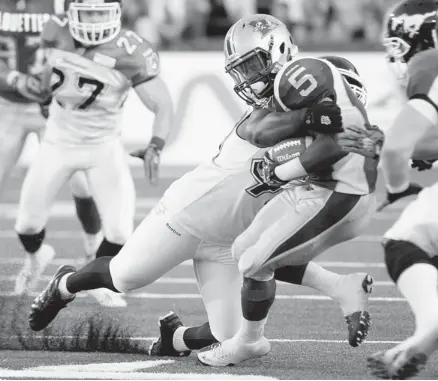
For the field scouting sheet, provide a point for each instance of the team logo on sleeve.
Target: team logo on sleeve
(263, 26)
(151, 59)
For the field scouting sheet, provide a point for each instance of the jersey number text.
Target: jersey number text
(305, 83)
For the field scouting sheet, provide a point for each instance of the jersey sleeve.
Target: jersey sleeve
(423, 77)
(303, 82)
(142, 63)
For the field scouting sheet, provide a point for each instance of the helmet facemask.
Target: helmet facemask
(253, 75)
(94, 23)
(356, 85)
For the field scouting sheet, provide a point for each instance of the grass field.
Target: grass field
(306, 329)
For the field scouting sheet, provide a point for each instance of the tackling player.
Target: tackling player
(95, 63)
(334, 201)
(230, 188)
(411, 244)
(176, 339)
(21, 61)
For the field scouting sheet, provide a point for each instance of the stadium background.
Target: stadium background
(306, 329)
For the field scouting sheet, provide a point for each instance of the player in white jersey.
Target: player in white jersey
(95, 63)
(335, 199)
(179, 228)
(411, 244)
(21, 61)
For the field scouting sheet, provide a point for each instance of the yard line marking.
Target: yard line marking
(182, 280)
(281, 341)
(149, 295)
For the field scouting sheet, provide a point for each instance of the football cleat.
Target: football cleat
(232, 352)
(34, 266)
(353, 299)
(163, 346)
(48, 304)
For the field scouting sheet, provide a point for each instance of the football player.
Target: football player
(335, 198)
(230, 188)
(21, 61)
(176, 339)
(411, 244)
(95, 63)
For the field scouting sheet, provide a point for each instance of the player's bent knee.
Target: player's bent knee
(400, 255)
(32, 242)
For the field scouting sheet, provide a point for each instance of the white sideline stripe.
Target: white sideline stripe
(75, 234)
(281, 341)
(70, 260)
(148, 295)
(175, 280)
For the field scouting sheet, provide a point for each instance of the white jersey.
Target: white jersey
(219, 199)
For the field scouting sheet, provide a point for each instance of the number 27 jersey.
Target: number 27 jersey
(91, 84)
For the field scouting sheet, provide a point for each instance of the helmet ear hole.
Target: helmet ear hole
(282, 48)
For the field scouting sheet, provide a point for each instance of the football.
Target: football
(289, 149)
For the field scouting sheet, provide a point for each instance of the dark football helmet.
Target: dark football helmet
(351, 75)
(94, 22)
(410, 27)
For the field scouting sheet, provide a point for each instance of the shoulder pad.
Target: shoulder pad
(141, 63)
(302, 82)
(52, 30)
(422, 73)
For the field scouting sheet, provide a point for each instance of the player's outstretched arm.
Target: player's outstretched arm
(155, 95)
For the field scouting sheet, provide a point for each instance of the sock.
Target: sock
(257, 299)
(291, 274)
(108, 249)
(86, 210)
(62, 288)
(418, 284)
(95, 274)
(320, 279)
(193, 337)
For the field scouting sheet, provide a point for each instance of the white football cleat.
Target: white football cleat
(108, 298)
(232, 352)
(34, 266)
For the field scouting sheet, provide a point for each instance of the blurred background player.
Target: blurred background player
(95, 63)
(21, 62)
(411, 244)
(334, 200)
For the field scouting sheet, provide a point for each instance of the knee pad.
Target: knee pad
(32, 242)
(400, 255)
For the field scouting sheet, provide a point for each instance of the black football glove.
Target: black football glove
(393, 197)
(422, 165)
(324, 117)
(151, 158)
(366, 141)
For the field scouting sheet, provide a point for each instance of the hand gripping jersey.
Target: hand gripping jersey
(21, 23)
(306, 81)
(219, 199)
(90, 85)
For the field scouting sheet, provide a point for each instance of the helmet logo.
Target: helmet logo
(410, 23)
(263, 26)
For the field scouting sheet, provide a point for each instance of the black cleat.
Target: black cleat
(359, 322)
(163, 346)
(47, 304)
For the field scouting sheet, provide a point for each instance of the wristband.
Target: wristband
(157, 142)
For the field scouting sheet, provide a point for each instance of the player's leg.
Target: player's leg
(12, 138)
(411, 259)
(48, 172)
(219, 283)
(150, 252)
(86, 210)
(300, 224)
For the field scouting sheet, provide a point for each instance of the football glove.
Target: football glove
(393, 197)
(366, 141)
(267, 172)
(44, 108)
(324, 117)
(151, 158)
(422, 165)
(28, 86)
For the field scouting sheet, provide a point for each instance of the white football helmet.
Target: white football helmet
(256, 47)
(94, 22)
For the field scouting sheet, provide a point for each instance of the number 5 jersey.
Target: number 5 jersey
(91, 84)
